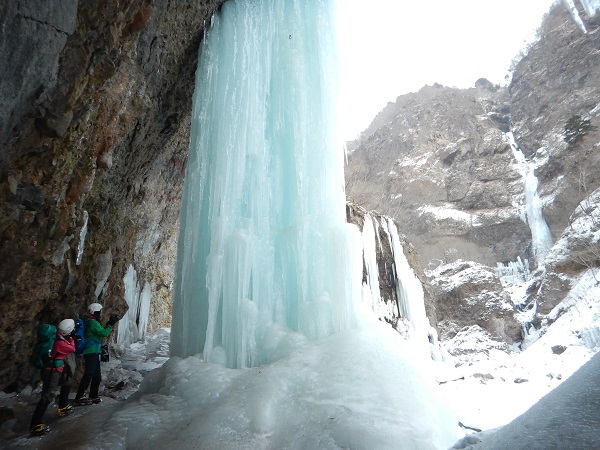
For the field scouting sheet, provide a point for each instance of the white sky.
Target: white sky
(392, 47)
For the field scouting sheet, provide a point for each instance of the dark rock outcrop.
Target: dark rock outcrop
(33, 38)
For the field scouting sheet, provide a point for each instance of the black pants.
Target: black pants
(50, 381)
(90, 375)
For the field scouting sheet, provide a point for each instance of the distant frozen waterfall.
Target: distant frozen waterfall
(264, 245)
(591, 7)
(541, 239)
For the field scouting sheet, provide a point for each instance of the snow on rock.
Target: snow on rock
(469, 293)
(489, 391)
(448, 216)
(472, 344)
(576, 320)
(580, 239)
(126, 370)
(577, 250)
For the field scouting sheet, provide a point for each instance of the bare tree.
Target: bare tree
(589, 256)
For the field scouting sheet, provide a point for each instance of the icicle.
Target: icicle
(370, 260)
(82, 236)
(104, 269)
(127, 326)
(133, 325)
(411, 303)
(513, 272)
(144, 312)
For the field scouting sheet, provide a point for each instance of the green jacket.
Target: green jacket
(94, 333)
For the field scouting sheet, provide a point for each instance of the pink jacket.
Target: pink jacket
(63, 346)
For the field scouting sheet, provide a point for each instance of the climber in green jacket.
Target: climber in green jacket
(94, 333)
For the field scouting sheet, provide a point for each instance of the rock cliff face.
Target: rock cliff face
(96, 104)
(469, 294)
(440, 162)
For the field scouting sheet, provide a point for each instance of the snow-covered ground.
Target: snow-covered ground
(361, 388)
(493, 387)
(320, 394)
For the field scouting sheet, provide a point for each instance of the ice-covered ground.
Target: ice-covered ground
(363, 388)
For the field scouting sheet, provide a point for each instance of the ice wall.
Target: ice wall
(267, 266)
(408, 311)
(132, 326)
(263, 241)
(411, 298)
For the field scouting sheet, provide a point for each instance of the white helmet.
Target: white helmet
(65, 327)
(94, 307)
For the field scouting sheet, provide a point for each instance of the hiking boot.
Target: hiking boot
(82, 401)
(39, 430)
(96, 400)
(64, 411)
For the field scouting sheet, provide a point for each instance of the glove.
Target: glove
(113, 319)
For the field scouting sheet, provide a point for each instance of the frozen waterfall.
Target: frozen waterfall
(263, 239)
(409, 308)
(541, 239)
(591, 7)
(132, 326)
(271, 344)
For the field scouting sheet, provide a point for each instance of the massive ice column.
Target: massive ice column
(263, 242)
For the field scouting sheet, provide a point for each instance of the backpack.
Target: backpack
(41, 355)
(80, 343)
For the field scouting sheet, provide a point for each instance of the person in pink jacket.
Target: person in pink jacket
(58, 373)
